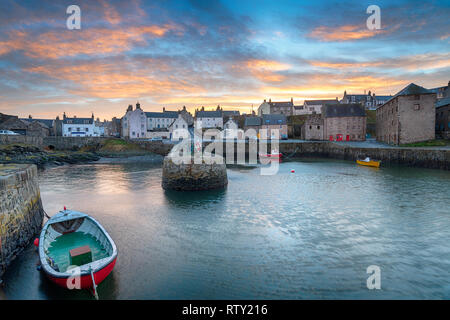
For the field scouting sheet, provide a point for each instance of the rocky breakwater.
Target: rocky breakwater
(21, 212)
(34, 155)
(190, 176)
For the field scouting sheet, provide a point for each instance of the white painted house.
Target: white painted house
(78, 127)
(134, 123)
(160, 121)
(230, 129)
(179, 129)
(209, 119)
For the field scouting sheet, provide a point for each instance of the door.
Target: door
(347, 138)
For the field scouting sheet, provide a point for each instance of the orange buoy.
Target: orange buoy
(36, 242)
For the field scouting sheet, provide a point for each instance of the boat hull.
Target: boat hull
(370, 163)
(85, 280)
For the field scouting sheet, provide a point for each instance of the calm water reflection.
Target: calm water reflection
(310, 234)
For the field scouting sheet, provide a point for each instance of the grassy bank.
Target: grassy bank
(430, 143)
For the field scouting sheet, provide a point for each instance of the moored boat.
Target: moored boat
(72, 242)
(369, 162)
(274, 154)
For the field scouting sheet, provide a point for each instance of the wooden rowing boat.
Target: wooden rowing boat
(74, 244)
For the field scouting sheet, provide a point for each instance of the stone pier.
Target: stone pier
(192, 176)
(21, 212)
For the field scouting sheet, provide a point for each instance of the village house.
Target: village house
(313, 128)
(113, 128)
(442, 92)
(134, 123)
(79, 127)
(370, 101)
(209, 119)
(15, 124)
(344, 122)
(160, 121)
(231, 130)
(314, 106)
(179, 129)
(252, 123)
(187, 116)
(443, 118)
(273, 126)
(283, 107)
(409, 117)
(40, 127)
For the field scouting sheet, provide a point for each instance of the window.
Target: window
(78, 129)
(87, 129)
(416, 106)
(70, 129)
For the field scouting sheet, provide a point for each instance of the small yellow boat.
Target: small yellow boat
(369, 162)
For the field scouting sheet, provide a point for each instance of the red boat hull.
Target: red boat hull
(86, 280)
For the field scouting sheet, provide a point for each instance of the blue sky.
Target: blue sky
(205, 53)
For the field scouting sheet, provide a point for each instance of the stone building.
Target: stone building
(409, 117)
(283, 107)
(187, 116)
(313, 129)
(344, 122)
(315, 106)
(370, 101)
(16, 125)
(273, 126)
(443, 118)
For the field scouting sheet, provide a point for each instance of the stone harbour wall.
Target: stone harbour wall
(21, 212)
(193, 177)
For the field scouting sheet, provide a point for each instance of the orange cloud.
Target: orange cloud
(69, 43)
(109, 81)
(343, 33)
(263, 70)
(111, 14)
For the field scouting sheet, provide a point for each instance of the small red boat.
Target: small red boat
(75, 251)
(273, 155)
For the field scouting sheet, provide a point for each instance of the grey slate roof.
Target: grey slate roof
(79, 120)
(273, 119)
(228, 113)
(344, 110)
(165, 114)
(316, 102)
(208, 114)
(46, 122)
(443, 102)
(410, 89)
(252, 121)
(281, 104)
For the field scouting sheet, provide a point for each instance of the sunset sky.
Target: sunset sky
(205, 53)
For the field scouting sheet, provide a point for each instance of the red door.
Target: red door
(331, 138)
(347, 138)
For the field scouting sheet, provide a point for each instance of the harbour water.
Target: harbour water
(304, 235)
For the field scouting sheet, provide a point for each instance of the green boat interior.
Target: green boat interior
(74, 243)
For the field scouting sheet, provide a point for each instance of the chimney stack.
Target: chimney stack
(30, 117)
(164, 109)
